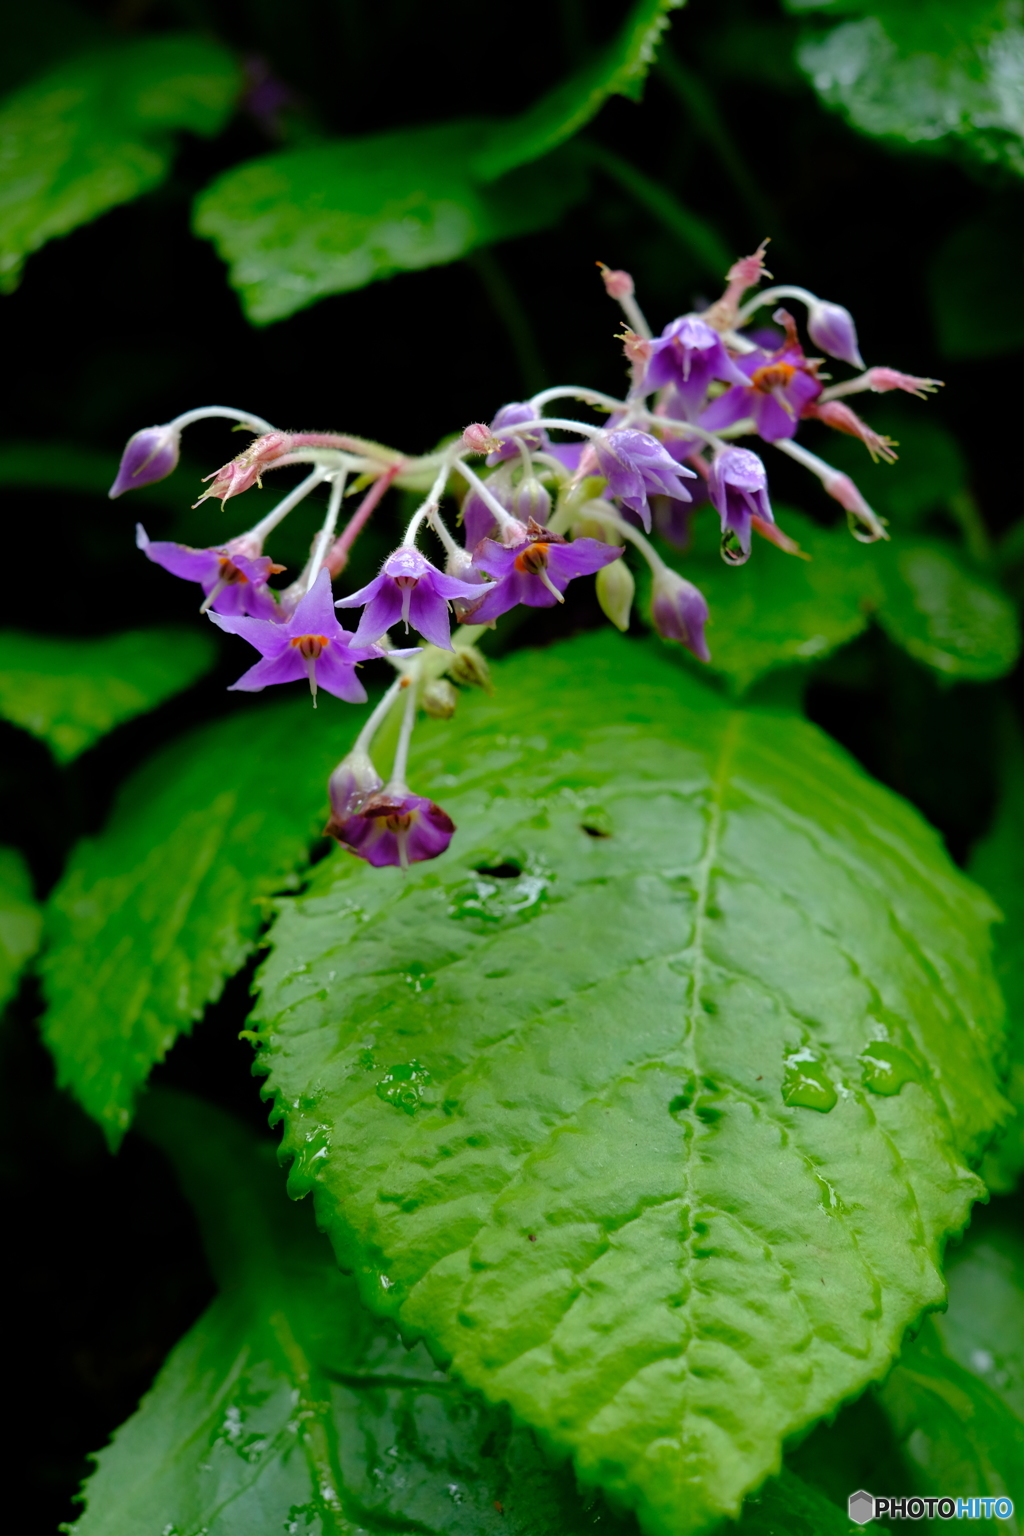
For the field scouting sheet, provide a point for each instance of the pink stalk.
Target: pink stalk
(337, 555)
(360, 445)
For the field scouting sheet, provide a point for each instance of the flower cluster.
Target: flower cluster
(544, 499)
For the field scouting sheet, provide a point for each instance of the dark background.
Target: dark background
(129, 321)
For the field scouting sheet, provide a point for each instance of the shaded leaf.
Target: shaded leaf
(20, 920)
(299, 225)
(944, 613)
(61, 466)
(640, 1188)
(969, 277)
(941, 72)
(997, 863)
(983, 1327)
(618, 70)
(96, 132)
(71, 692)
(154, 914)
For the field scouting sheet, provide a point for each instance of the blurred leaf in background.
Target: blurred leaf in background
(21, 921)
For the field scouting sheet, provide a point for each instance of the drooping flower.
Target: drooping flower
(831, 328)
(510, 416)
(635, 464)
(738, 487)
(781, 384)
(149, 455)
(536, 571)
(247, 468)
(312, 644)
(233, 582)
(679, 611)
(411, 589)
(351, 784)
(690, 355)
(395, 827)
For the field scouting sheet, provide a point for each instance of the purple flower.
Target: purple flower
(831, 328)
(478, 521)
(412, 589)
(738, 486)
(312, 644)
(232, 582)
(351, 784)
(781, 384)
(634, 463)
(395, 827)
(689, 354)
(511, 416)
(680, 612)
(149, 455)
(537, 571)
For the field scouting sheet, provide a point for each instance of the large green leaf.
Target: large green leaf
(944, 613)
(71, 692)
(96, 132)
(20, 920)
(931, 72)
(997, 863)
(289, 1404)
(618, 70)
(154, 914)
(649, 1102)
(983, 1328)
(299, 225)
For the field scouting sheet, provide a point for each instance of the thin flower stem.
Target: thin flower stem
(204, 412)
(326, 534)
(572, 392)
(380, 713)
(504, 518)
(769, 295)
(431, 504)
(267, 524)
(627, 531)
(327, 458)
(450, 546)
(348, 444)
(397, 784)
(337, 557)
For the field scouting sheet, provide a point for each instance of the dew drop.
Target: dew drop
(806, 1084)
(402, 1085)
(887, 1067)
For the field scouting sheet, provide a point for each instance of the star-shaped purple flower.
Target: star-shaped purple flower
(395, 827)
(689, 355)
(312, 644)
(781, 384)
(738, 487)
(635, 464)
(232, 582)
(412, 589)
(536, 571)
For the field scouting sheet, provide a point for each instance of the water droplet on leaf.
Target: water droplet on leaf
(806, 1084)
(402, 1085)
(887, 1067)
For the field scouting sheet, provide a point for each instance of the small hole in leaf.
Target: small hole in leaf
(593, 831)
(509, 870)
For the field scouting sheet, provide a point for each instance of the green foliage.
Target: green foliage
(781, 610)
(71, 692)
(605, 1209)
(154, 914)
(20, 920)
(308, 222)
(942, 72)
(972, 278)
(956, 1399)
(997, 863)
(96, 131)
(61, 466)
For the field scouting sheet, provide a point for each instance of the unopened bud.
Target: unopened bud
(679, 612)
(439, 699)
(532, 499)
(469, 667)
(865, 524)
(351, 784)
(479, 438)
(831, 328)
(617, 284)
(149, 455)
(615, 588)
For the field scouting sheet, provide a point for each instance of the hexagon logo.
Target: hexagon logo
(861, 1506)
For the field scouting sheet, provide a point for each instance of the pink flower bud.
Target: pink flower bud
(857, 510)
(884, 379)
(617, 285)
(479, 438)
(680, 612)
(149, 455)
(831, 328)
(247, 468)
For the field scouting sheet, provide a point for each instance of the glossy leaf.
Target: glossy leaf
(618, 70)
(983, 1327)
(72, 692)
(638, 1188)
(287, 1407)
(96, 132)
(942, 72)
(305, 223)
(944, 613)
(154, 914)
(20, 920)
(997, 863)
